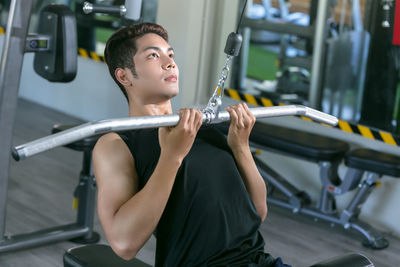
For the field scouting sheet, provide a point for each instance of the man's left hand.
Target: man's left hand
(242, 122)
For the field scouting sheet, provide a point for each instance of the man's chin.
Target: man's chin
(162, 95)
(172, 93)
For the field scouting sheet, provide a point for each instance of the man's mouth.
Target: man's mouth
(171, 78)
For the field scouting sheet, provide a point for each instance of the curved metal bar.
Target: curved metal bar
(123, 124)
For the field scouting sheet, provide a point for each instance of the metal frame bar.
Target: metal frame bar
(123, 124)
(244, 52)
(315, 93)
(348, 217)
(280, 27)
(10, 74)
(50, 235)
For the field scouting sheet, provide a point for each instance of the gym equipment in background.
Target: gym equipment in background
(131, 10)
(364, 169)
(347, 56)
(55, 60)
(56, 46)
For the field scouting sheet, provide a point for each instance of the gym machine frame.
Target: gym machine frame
(16, 43)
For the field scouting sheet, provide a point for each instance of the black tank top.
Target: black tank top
(209, 219)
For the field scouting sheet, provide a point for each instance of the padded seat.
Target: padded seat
(103, 256)
(374, 161)
(85, 144)
(347, 260)
(307, 145)
(97, 256)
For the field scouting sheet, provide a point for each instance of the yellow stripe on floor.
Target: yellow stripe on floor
(250, 99)
(326, 125)
(94, 56)
(388, 138)
(266, 102)
(305, 118)
(365, 131)
(344, 125)
(233, 94)
(83, 53)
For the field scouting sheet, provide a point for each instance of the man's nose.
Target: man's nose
(169, 64)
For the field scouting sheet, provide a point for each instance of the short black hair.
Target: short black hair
(121, 48)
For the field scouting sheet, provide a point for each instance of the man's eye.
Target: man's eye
(153, 55)
(171, 55)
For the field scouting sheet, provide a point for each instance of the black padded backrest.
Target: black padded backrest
(347, 260)
(374, 161)
(97, 256)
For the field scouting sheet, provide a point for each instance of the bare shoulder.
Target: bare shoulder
(112, 159)
(107, 142)
(111, 148)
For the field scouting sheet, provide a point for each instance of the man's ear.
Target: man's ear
(123, 76)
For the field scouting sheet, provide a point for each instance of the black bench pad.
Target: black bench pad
(374, 161)
(347, 260)
(310, 146)
(84, 144)
(97, 256)
(103, 256)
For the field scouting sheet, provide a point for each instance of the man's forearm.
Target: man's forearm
(253, 180)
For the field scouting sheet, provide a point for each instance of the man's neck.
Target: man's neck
(136, 109)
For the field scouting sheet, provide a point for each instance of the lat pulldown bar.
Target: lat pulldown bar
(123, 124)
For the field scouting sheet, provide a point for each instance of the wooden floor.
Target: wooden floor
(40, 196)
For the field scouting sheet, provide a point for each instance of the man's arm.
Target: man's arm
(129, 216)
(242, 122)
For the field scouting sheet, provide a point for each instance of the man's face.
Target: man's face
(157, 73)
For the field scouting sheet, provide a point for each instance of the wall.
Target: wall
(198, 32)
(93, 95)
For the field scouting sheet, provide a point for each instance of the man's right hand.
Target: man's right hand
(176, 142)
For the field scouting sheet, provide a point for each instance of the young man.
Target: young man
(200, 193)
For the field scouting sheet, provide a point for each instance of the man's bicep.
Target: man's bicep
(115, 174)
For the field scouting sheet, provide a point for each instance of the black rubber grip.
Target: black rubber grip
(15, 154)
(233, 44)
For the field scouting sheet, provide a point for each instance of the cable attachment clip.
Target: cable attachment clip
(232, 49)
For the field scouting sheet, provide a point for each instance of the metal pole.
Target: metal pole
(123, 124)
(10, 74)
(244, 51)
(315, 93)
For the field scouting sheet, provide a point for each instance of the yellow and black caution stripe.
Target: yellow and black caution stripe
(345, 126)
(90, 54)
